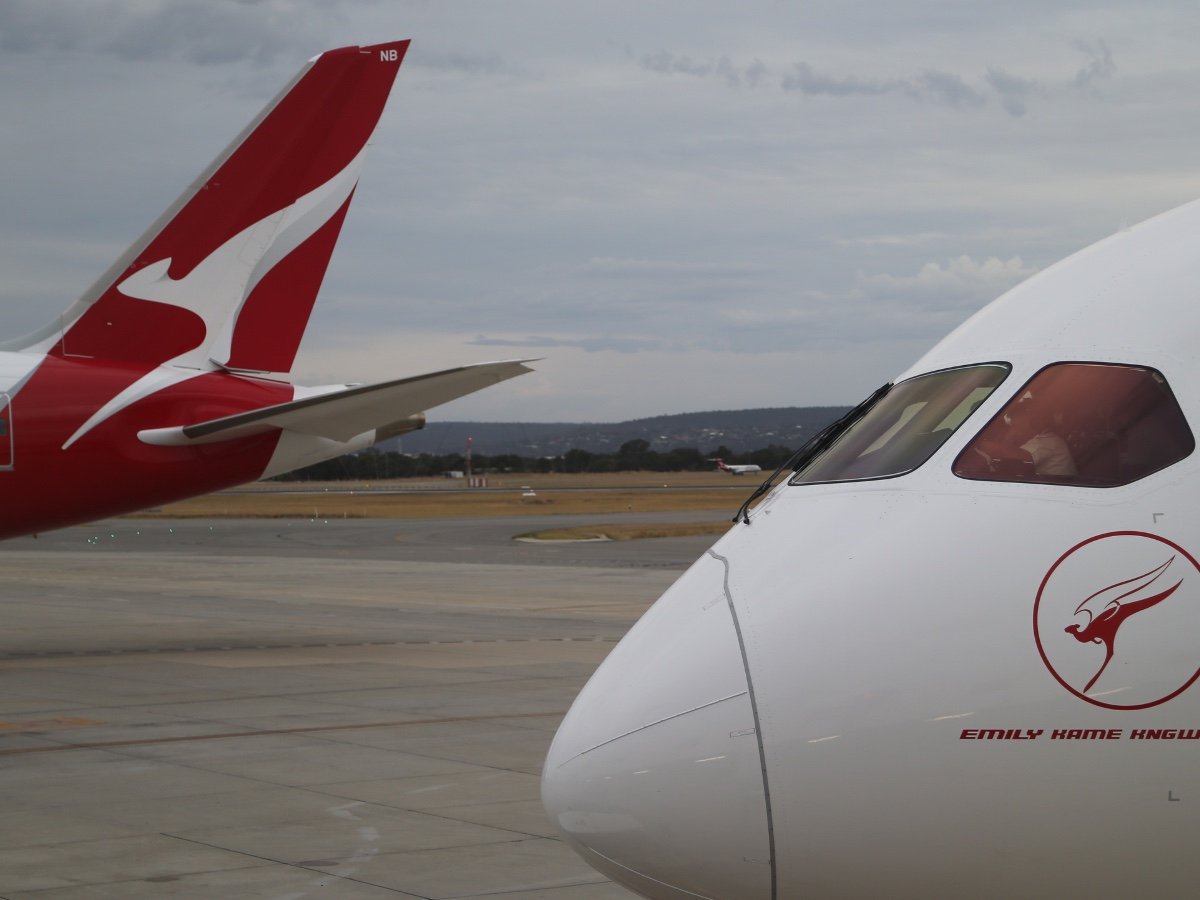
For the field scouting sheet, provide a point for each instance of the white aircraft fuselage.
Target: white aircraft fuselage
(967, 672)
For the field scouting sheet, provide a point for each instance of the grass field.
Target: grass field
(507, 495)
(517, 481)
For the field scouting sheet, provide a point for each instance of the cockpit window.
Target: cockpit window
(1088, 424)
(904, 428)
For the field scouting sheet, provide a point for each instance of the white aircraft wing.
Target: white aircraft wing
(344, 413)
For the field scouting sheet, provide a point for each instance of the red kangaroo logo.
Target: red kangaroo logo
(1112, 611)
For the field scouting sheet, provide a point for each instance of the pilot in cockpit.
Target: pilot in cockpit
(1051, 455)
(1030, 442)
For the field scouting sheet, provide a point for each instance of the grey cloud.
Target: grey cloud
(477, 64)
(723, 68)
(934, 86)
(754, 73)
(1012, 89)
(963, 282)
(667, 63)
(912, 239)
(1100, 66)
(807, 80)
(205, 32)
(590, 345)
(610, 267)
(945, 87)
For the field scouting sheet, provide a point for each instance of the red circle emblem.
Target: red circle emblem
(1114, 620)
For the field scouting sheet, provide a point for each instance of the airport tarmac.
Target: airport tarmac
(301, 708)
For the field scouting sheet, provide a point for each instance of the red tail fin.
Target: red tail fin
(228, 275)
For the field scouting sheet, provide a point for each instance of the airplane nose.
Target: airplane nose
(655, 776)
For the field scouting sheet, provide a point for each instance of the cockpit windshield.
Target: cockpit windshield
(1085, 424)
(906, 426)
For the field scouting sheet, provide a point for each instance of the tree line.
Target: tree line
(635, 455)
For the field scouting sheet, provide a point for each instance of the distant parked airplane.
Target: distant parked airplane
(744, 469)
(163, 381)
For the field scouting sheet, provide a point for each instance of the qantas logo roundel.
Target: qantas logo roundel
(1114, 620)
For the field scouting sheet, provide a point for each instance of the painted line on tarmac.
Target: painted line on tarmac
(133, 651)
(267, 732)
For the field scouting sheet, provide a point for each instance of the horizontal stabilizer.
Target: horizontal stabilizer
(347, 412)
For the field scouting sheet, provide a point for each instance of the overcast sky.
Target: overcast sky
(680, 205)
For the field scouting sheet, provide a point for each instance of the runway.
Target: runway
(299, 708)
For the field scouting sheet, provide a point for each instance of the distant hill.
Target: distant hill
(739, 430)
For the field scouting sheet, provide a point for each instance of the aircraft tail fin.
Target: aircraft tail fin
(227, 276)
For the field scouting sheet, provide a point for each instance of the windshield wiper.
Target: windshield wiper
(811, 448)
